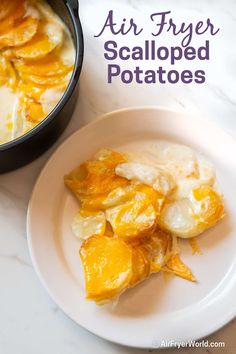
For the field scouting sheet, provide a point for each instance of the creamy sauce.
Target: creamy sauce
(33, 76)
(8, 101)
(50, 98)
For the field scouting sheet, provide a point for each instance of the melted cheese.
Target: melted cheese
(37, 56)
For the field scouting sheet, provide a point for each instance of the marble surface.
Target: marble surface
(29, 321)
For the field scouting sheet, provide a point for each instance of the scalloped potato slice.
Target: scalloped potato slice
(48, 81)
(107, 263)
(132, 220)
(3, 74)
(93, 184)
(153, 176)
(123, 194)
(27, 115)
(207, 206)
(85, 226)
(49, 36)
(37, 48)
(115, 197)
(96, 177)
(34, 111)
(17, 14)
(50, 66)
(142, 191)
(20, 34)
(101, 202)
(179, 160)
(147, 261)
(190, 217)
(207, 173)
(51, 97)
(30, 90)
(176, 266)
(7, 73)
(141, 266)
(38, 92)
(6, 7)
(177, 217)
(159, 247)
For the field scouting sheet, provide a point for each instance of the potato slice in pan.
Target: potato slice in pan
(114, 198)
(37, 92)
(36, 48)
(20, 34)
(85, 226)
(6, 7)
(107, 263)
(3, 74)
(48, 81)
(34, 111)
(14, 17)
(132, 220)
(147, 260)
(21, 125)
(193, 242)
(51, 96)
(50, 66)
(76, 180)
(7, 73)
(30, 90)
(49, 36)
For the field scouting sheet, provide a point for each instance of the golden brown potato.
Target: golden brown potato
(132, 220)
(108, 267)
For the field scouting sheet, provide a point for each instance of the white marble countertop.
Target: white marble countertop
(30, 323)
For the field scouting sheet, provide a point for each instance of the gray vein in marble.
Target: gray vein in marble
(222, 95)
(10, 195)
(134, 4)
(16, 258)
(180, 103)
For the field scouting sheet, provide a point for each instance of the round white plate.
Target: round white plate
(161, 309)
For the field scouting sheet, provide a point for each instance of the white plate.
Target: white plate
(160, 309)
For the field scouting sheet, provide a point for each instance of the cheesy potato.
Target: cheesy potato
(133, 209)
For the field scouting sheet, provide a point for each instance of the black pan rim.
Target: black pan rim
(74, 16)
